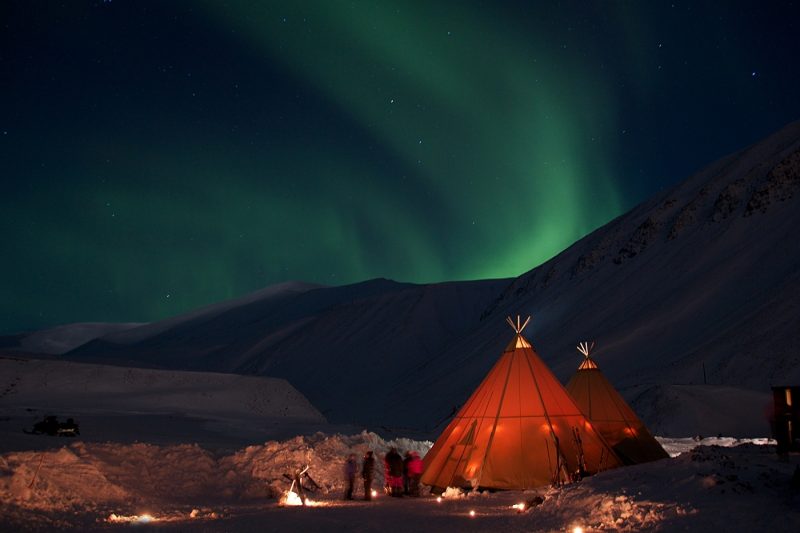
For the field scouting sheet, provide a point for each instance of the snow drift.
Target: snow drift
(86, 485)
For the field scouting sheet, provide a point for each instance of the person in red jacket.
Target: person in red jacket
(414, 473)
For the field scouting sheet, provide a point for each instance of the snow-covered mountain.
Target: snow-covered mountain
(695, 287)
(349, 347)
(60, 339)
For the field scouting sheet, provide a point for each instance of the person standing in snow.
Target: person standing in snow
(394, 465)
(350, 469)
(367, 472)
(406, 474)
(414, 473)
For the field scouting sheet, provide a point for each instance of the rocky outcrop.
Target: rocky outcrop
(781, 184)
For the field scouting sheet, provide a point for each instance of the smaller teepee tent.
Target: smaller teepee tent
(520, 429)
(610, 414)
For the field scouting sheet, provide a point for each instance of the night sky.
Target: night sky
(158, 156)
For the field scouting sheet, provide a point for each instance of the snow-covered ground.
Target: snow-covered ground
(105, 486)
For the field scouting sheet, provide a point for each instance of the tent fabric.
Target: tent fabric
(612, 416)
(519, 429)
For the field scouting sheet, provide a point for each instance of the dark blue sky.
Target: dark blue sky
(159, 156)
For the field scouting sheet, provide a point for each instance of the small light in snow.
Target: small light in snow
(472, 513)
(519, 507)
(374, 493)
(133, 519)
(438, 499)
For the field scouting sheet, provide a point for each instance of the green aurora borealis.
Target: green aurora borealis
(164, 156)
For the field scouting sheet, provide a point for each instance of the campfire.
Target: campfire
(145, 518)
(296, 495)
(290, 498)
(148, 518)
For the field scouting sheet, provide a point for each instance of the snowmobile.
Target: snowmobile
(51, 426)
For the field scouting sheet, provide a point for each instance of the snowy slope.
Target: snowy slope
(704, 274)
(60, 339)
(695, 287)
(128, 404)
(216, 337)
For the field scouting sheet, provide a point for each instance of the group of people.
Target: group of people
(401, 474)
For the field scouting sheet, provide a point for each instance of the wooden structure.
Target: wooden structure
(786, 427)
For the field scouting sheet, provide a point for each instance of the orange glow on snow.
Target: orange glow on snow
(147, 518)
(132, 519)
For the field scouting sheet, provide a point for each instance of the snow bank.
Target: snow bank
(676, 446)
(740, 488)
(745, 488)
(125, 478)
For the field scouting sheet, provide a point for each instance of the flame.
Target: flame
(438, 499)
(374, 493)
(519, 507)
(472, 513)
(577, 529)
(291, 498)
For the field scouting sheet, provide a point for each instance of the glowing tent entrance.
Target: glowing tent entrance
(520, 429)
(610, 414)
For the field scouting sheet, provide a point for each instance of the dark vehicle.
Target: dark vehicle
(51, 426)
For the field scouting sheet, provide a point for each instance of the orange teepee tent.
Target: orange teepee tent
(520, 429)
(610, 414)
